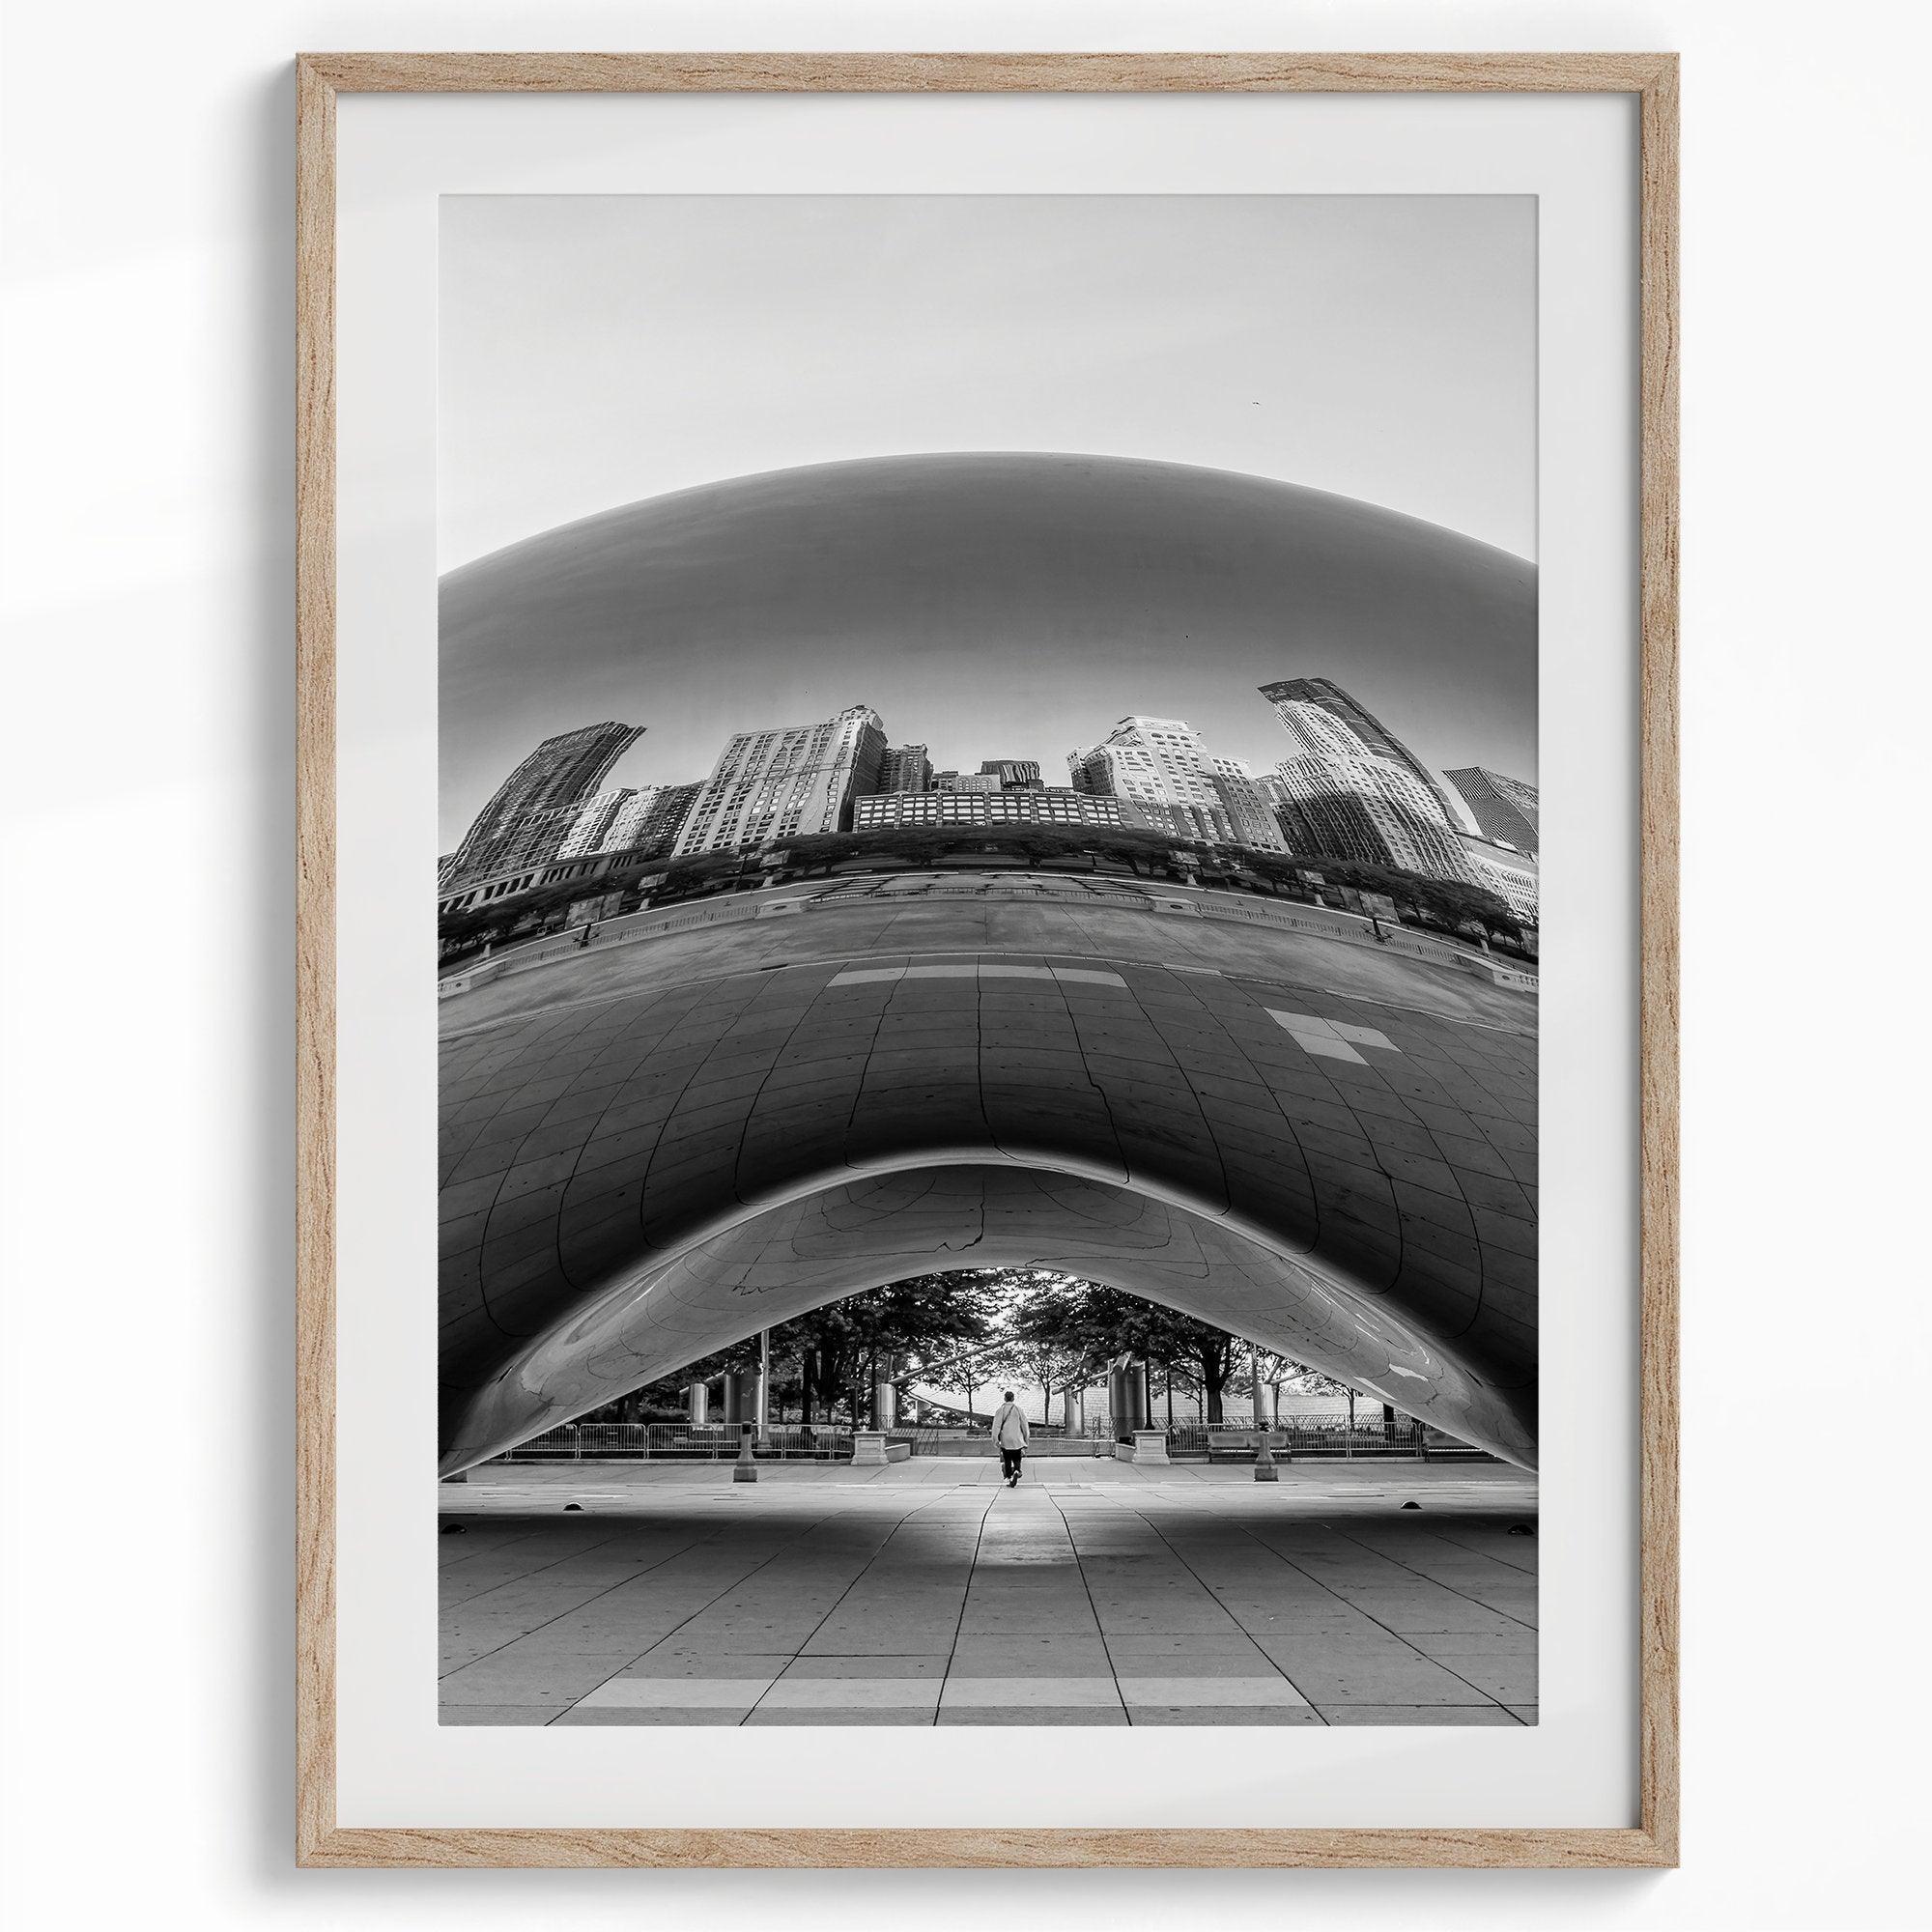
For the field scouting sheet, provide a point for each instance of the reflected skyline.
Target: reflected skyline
(986, 605)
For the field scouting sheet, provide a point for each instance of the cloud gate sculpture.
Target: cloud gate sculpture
(718, 1118)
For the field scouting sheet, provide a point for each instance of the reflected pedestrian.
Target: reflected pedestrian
(1009, 1432)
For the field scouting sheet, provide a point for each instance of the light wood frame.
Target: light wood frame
(1652, 77)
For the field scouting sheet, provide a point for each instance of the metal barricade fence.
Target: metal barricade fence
(677, 1442)
(1310, 1436)
(1320, 1435)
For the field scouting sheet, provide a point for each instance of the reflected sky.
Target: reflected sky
(987, 605)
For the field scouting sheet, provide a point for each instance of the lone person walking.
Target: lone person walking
(1010, 1432)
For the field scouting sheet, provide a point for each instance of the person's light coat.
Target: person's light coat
(1010, 1426)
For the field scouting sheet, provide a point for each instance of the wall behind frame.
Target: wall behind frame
(146, 1000)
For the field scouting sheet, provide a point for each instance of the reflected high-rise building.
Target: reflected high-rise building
(1014, 774)
(1375, 737)
(534, 808)
(1506, 809)
(1248, 807)
(1160, 767)
(905, 768)
(590, 829)
(1508, 872)
(1339, 797)
(789, 782)
(649, 819)
(1057, 809)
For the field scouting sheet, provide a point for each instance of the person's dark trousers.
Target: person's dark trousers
(1010, 1461)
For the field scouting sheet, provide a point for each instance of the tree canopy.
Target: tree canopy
(1088, 1324)
(973, 1328)
(838, 1350)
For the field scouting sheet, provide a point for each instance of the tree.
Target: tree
(504, 918)
(1142, 852)
(1300, 1380)
(1089, 1325)
(1278, 1372)
(839, 1348)
(1209, 1350)
(667, 1393)
(971, 1325)
(1444, 901)
(844, 1342)
(1044, 1341)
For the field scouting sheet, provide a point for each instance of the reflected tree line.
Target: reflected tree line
(975, 1331)
(646, 876)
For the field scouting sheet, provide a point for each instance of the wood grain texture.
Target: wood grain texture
(315, 956)
(1658, 1026)
(1653, 79)
(1042, 1848)
(983, 73)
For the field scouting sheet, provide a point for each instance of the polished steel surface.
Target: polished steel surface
(663, 1143)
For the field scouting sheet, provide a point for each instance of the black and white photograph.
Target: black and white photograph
(987, 960)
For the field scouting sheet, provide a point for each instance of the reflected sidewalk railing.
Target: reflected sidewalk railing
(1316, 1437)
(677, 1442)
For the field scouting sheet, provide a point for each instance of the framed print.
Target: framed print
(939, 698)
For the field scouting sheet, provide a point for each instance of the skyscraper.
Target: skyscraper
(589, 830)
(966, 782)
(1338, 797)
(1160, 768)
(905, 768)
(1035, 805)
(1248, 807)
(1325, 694)
(649, 817)
(795, 780)
(1506, 809)
(535, 806)
(1325, 824)
(1511, 874)
(1014, 774)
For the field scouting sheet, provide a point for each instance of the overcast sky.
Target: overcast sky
(600, 350)
(596, 349)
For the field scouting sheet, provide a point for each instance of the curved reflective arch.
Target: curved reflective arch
(718, 1120)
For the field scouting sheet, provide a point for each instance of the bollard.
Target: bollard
(745, 1470)
(1264, 1469)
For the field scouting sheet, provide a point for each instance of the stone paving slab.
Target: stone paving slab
(683, 1717)
(1056, 1715)
(1217, 1715)
(1437, 1714)
(838, 1597)
(765, 1716)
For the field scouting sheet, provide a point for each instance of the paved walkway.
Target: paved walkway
(926, 1593)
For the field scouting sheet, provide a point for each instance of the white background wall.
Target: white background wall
(146, 1006)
